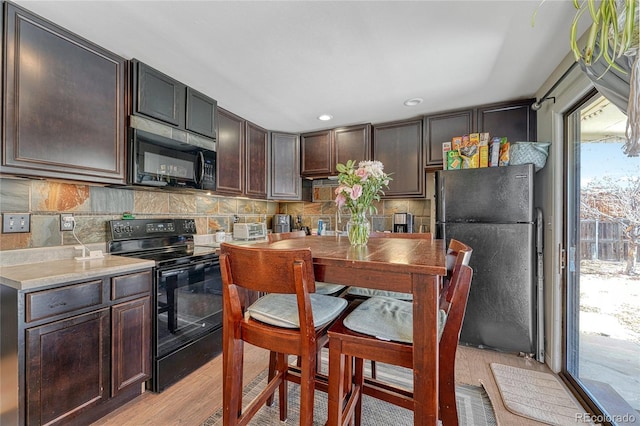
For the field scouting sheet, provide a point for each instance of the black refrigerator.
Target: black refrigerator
(492, 210)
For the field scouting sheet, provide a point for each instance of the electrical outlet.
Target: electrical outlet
(16, 222)
(67, 222)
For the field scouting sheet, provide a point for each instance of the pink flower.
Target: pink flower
(362, 173)
(356, 192)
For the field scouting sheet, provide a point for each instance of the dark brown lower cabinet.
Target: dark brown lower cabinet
(67, 367)
(81, 349)
(131, 339)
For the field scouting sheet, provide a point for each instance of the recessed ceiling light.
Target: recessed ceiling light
(413, 102)
(325, 117)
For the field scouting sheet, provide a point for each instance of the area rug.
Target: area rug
(536, 395)
(474, 406)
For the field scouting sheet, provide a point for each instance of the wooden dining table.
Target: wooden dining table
(414, 266)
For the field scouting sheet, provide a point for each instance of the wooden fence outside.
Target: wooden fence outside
(602, 241)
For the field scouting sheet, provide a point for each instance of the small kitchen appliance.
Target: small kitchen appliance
(187, 296)
(250, 231)
(403, 222)
(160, 161)
(282, 223)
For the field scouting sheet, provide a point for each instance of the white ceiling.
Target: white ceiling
(281, 64)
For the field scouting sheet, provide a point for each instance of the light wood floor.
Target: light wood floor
(192, 400)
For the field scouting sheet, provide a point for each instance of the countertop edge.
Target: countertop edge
(68, 270)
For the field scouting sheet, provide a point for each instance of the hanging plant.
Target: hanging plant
(613, 32)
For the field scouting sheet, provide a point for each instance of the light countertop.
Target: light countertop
(29, 276)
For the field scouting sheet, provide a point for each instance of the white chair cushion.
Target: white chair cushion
(387, 318)
(281, 310)
(328, 288)
(370, 292)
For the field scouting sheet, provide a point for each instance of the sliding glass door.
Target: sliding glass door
(602, 279)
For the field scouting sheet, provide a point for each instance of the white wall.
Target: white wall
(549, 189)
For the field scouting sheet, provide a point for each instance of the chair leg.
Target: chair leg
(271, 374)
(282, 364)
(447, 396)
(373, 369)
(307, 388)
(337, 384)
(358, 380)
(233, 360)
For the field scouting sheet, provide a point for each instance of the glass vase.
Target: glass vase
(358, 229)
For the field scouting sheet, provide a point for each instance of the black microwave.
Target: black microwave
(159, 161)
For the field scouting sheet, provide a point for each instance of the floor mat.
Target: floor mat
(537, 395)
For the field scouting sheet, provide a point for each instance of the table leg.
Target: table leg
(425, 348)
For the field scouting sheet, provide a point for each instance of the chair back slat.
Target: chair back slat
(459, 287)
(279, 236)
(462, 253)
(265, 269)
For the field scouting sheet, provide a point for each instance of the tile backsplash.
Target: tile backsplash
(324, 208)
(93, 206)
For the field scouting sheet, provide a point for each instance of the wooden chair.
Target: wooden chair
(346, 344)
(321, 288)
(287, 320)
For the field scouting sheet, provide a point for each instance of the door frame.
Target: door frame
(570, 264)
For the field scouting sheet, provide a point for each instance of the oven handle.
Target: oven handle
(192, 267)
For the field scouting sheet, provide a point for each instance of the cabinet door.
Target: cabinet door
(159, 96)
(201, 113)
(285, 182)
(351, 143)
(256, 147)
(131, 325)
(64, 103)
(515, 120)
(317, 158)
(398, 146)
(443, 127)
(67, 367)
(230, 157)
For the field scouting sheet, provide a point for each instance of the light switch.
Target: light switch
(16, 222)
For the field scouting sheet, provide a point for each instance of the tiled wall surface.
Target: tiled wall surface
(324, 208)
(93, 206)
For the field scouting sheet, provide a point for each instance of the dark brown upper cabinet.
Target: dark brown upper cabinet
(158, 96)
(201, 113)
(351, 143)
(398, 145)
(514, 120)
(317, 155)
(439, 128)
(322, 150)
(257, 140)
(285, 182)
(163, 98)
(64, 103)
(230, 153)
(241, 160)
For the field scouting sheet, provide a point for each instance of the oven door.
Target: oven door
(188, 305)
